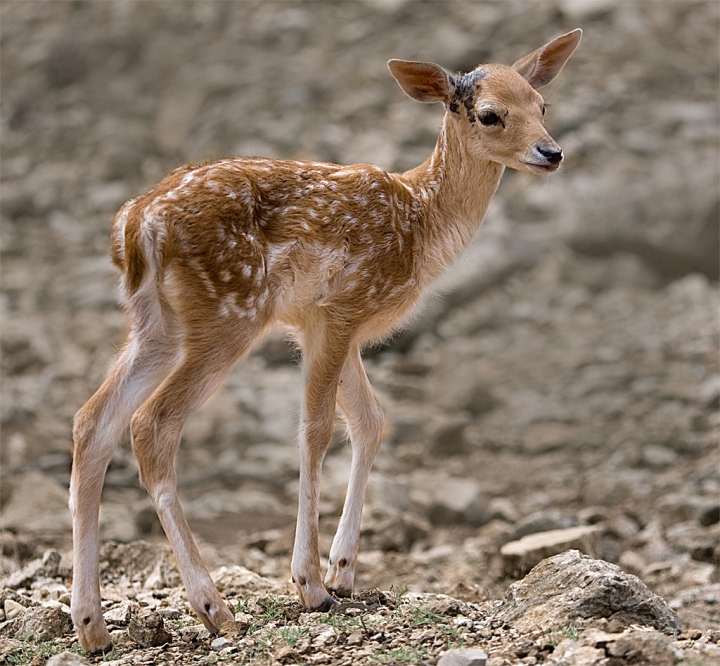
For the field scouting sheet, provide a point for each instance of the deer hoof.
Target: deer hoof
(342, 592)
(326, 605)
(95, 640)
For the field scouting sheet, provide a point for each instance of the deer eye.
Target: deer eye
(489, 118)
(543, 109)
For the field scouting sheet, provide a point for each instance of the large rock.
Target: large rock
(44, 623)
(573, 588)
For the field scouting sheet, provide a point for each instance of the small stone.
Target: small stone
(622, 526)
(44, 623)
(571, 652)
(356, 638)
(690, 635)
(388, 493)
(632, 562)
(449, 439)
(236, 628)
(501, 508)
(710, 515)
(51, 563)
(286, 654)
(445, 606)
(120, 638)
(544, 521)
(220, 643)
(656, 455)
(241, 581)
(148, 629)
(522, 555)
(544, 437)
(25, 576)
(644, 647)
(463, 657)
(120, 615)
(67, 659)
(195, 633)
(13, 609)
(457, 500)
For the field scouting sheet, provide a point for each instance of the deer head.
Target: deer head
(497, 108)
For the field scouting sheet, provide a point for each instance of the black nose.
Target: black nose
(552, 155)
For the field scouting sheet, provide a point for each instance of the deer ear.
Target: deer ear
(423, 81)
(542, 66)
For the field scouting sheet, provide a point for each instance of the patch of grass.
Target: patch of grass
(181, 623)
(292, 634)
(260, 649)
(242, 606)
(399, 591)
(420, 617)
(570, 631)
(31, 649)
(112, 655)
(273, 610)
(341, 623)
(401, 655)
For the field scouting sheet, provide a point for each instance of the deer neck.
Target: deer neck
(455, 188)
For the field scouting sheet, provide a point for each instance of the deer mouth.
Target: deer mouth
(542, 167)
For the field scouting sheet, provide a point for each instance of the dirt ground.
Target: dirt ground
(564, 374)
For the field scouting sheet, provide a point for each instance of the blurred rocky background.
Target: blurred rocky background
(564, 376)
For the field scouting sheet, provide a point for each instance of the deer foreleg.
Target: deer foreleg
(364, 418)
(324, 355)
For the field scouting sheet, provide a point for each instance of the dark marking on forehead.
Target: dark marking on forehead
(465, 89)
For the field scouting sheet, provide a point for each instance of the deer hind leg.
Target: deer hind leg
(324, 354)
(144, 361)
(364, 418)
(156, 429)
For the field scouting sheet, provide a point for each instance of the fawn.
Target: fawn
(338, 255)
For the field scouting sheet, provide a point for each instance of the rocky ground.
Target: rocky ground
(560, 391)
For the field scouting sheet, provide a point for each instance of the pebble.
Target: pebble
(519, 557)
(220, 643)
(120, 615)
(13, 609)
(148, 629)
(463, 657)
(67, 659)
(457, 500)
